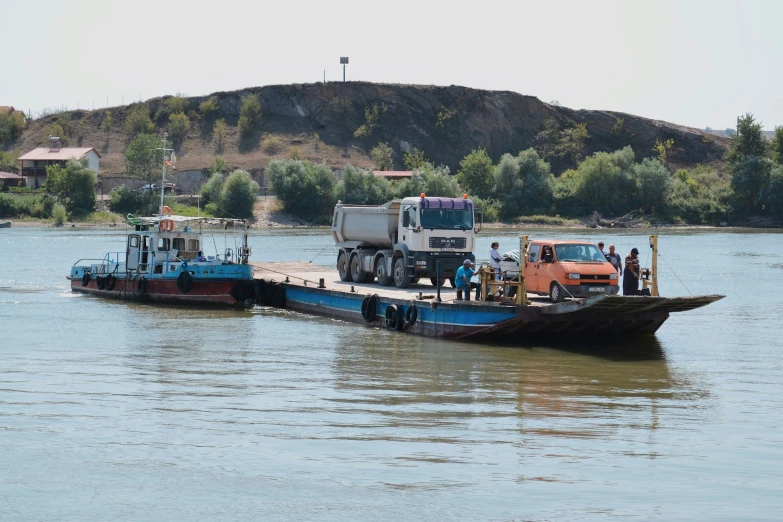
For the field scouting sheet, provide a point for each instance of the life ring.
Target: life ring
(166, 225)
(166, 210)
(109, 282)
(392, 317)
(86, 279)
(370, 308)
(411, 314)
(185, 282)
(99, 282)
(142, 285)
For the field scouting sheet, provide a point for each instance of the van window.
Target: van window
(193, 245)
(178, 243)
(532, 255)
(584, 253)
(163, 244)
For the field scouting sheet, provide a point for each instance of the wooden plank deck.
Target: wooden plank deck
(302, 273)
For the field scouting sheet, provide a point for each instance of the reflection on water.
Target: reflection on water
(121, 411)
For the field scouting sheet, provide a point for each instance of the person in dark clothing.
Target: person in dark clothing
(631, 273)
(614, 258)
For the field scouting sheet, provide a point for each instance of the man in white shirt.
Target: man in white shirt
(495, 259)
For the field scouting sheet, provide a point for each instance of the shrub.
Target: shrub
(294, 152)
(59, 214)
(382, 156)
(208, 108)
(239, 195)
(219, 132)
(371, 115)
(54, 129)
(490, 209)
(11, 125)
(106, 123)
(249, 115)
(38, 206)
(414, 159)
(654, 184)
(8, 161)
(361, 187)
(304, 188)
(138, 120)
(125, 200)
(173, 105)
(607, 183)
(179, 125)
(210, 192)
(271, 144)
(74, 185)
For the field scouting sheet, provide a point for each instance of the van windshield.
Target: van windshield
(447, 218)
(588, 253)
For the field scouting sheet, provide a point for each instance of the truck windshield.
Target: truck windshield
(446, 218)
(579, 253)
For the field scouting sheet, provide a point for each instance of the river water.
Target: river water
(114, 411)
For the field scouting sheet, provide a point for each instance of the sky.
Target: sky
(690, 62)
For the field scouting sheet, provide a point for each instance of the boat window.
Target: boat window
(133, 241)
(178, 243)
(163, 244)
(193, 245)
(533, 251)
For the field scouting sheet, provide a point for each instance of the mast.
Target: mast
(163, 175)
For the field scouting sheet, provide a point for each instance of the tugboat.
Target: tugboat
(164, 262)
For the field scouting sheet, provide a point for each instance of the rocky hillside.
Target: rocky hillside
(445, 122)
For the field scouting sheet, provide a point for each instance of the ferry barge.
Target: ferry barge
(422, 309)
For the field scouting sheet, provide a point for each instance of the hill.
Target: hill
(444, 122)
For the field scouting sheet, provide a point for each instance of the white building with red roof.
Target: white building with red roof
(34, 163)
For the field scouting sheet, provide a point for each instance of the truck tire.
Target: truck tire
(342, 266)
(556, 294)
(401, 278)
(434, 281)
(384, 279)
(357, 273)
(415, 280)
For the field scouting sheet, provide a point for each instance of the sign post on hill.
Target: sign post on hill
(344, 62)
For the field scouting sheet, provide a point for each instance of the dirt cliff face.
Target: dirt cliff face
(444, 122)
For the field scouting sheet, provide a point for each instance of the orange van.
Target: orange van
(563, 269)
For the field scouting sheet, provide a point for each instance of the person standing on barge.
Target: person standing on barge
(631, 274)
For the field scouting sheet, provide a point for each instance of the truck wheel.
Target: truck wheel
(434, 281)
(342, 267)
(357, 274)
(384, 279)
(556, 293)
(401, 278)
(415, 280)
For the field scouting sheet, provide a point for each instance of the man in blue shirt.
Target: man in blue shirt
(463, 277)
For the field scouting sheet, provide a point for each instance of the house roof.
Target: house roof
(45, 153)
(9, 175)
(393, 174)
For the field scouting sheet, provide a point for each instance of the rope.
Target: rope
(673, 272)
(288, 275)
(319, 253)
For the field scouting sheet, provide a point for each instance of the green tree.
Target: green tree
(536, 191)
(143, 158)
(382, 156)
(414, 159)
(607, 182)
(566, 146)
(138, 120)
(750, 182)
(662, 148)
(208, 108)
(179, 125)
(476, 173)
(748, 142)
(219, 133)
(219, 165)
(8, 161)
(74, 185)
(174, 104)
(11, 126)
(776, 147)
(307, 190)
(212, 189)
(654, 184)
(775, 191)
(361, 187)
(371, 116)
(239, 195)
(439, 183)
(249, 115)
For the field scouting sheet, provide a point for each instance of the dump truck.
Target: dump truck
(404, 240)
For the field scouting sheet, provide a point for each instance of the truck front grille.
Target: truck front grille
(448, 242)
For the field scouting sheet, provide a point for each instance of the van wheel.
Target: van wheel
(556, 293)
(384, 279)
(357, 274)
(401, 278)
(342, 267)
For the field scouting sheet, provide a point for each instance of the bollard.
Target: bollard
(321, 283)
(420, 296)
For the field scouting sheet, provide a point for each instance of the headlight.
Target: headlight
(573, 276)
(613, 276)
